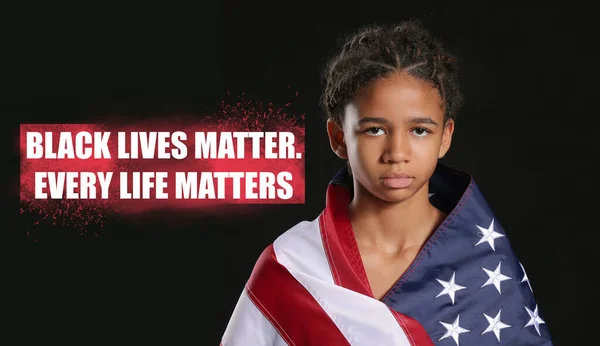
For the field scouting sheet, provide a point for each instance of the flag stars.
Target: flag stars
(489, 235)
(535, 319)
(453, 330)
(450, 287)
(525, 278)
(495, 277)
(495, 325)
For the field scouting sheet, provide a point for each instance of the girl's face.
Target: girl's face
(393, 128)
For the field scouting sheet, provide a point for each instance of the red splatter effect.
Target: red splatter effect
(239, 116)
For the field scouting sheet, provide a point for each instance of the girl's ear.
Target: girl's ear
(336, 139)
(446, 138)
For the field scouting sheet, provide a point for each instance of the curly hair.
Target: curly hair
(377, 51)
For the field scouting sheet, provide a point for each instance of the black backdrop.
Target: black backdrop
(527, 133)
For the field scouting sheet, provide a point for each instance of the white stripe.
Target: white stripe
(361, 319)
(248, 326)
(301, 248)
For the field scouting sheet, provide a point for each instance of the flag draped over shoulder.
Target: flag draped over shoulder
(465, 286)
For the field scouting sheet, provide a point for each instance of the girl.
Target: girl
(406, 251)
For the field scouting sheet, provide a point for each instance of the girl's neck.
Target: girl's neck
(393, 227)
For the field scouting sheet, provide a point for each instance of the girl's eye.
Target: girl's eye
(374, 131)
(421, 132)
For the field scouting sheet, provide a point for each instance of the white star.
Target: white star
(488, 235)
(495, 325)
(431, 194)
(535, 319)
(525, 278)
(450, 288)
(453, 330)
(495, 277)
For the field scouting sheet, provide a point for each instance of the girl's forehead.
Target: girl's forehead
(397, 98)
(409, 115)
(398, 87)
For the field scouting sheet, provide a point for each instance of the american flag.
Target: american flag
(465, 287)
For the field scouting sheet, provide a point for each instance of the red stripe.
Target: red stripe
(346, 263)
(327, 248)
(339, 242)
(289, 307)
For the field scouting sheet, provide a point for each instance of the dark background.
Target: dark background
(527, 133)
